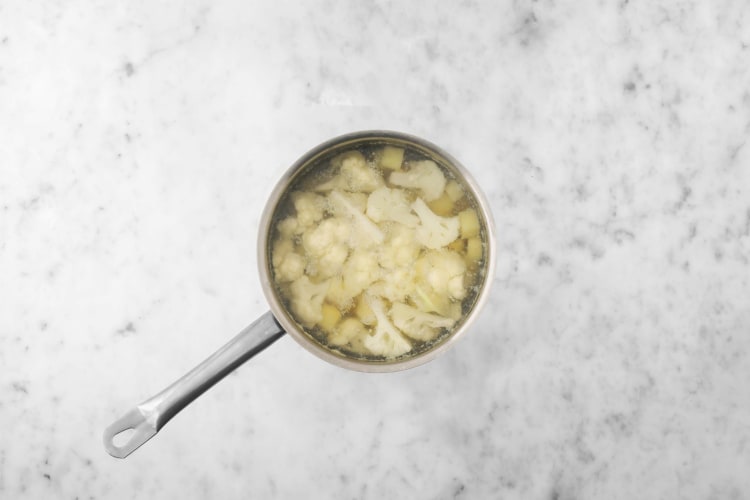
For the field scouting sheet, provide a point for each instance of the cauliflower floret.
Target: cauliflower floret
(281, 247)
(365, 230)
(434, 231)
(289, 227)
(307, 300)
(363, 311)
(417, 324)
(427, 300)
(291, 267)
(357, 200)
(390, 205)
(353, 174)
(338, 295)
(358, 273)
(387, 341)
(400, 249)
(346, 331)
(288, 265)
(454, 191)
(442, 271)
(317, 241)
(329, 264)
(326, 247)
(396, 285)
(423, 175)
(309, 206)
(359, 177)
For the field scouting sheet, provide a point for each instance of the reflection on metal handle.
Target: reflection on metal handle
(146, 419)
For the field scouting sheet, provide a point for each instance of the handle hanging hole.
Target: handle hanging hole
(122, 438)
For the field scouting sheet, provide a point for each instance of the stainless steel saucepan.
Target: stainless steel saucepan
(143, 421)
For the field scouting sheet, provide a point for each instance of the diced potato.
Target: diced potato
(469, 223)
(473, 250)
(363, 311)
(331, 317)
(454, 311)
(392, 158)
(442, 206)
(454, 191)
(458, 246)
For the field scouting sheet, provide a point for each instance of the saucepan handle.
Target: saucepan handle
(147, 418)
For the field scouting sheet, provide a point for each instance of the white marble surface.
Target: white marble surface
(138, 141)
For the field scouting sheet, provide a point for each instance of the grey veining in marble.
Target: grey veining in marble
(138, 141)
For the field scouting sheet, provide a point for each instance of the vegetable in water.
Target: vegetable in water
(377, 255)
(423, 175)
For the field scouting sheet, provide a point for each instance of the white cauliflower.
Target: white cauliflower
(434, 231)
(338, 295)
(353, 174)
(396, 284)
(359, 177)
(385, 204)
(427, 300)
(281, 247)
(454, 191)
(363, 311)
(423, 175)
(358, 200)
(289, 267)
(358, 273)
(364, 230)
(346, 331)
(442, 272)
(329, 264)
(417, 324)
(310, 207)
(400, 249)
(289, 227)
(306, 300)
(387, 341)
(326, 246)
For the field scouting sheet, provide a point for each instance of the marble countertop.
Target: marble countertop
(138, 143)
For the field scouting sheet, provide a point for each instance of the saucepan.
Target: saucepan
(452, 204)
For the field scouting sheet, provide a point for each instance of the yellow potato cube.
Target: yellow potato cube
(473, 250)
(331, 317)
(454, 191)
(454, 311)
(469, 223)
(392, 158)
(442, 206)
